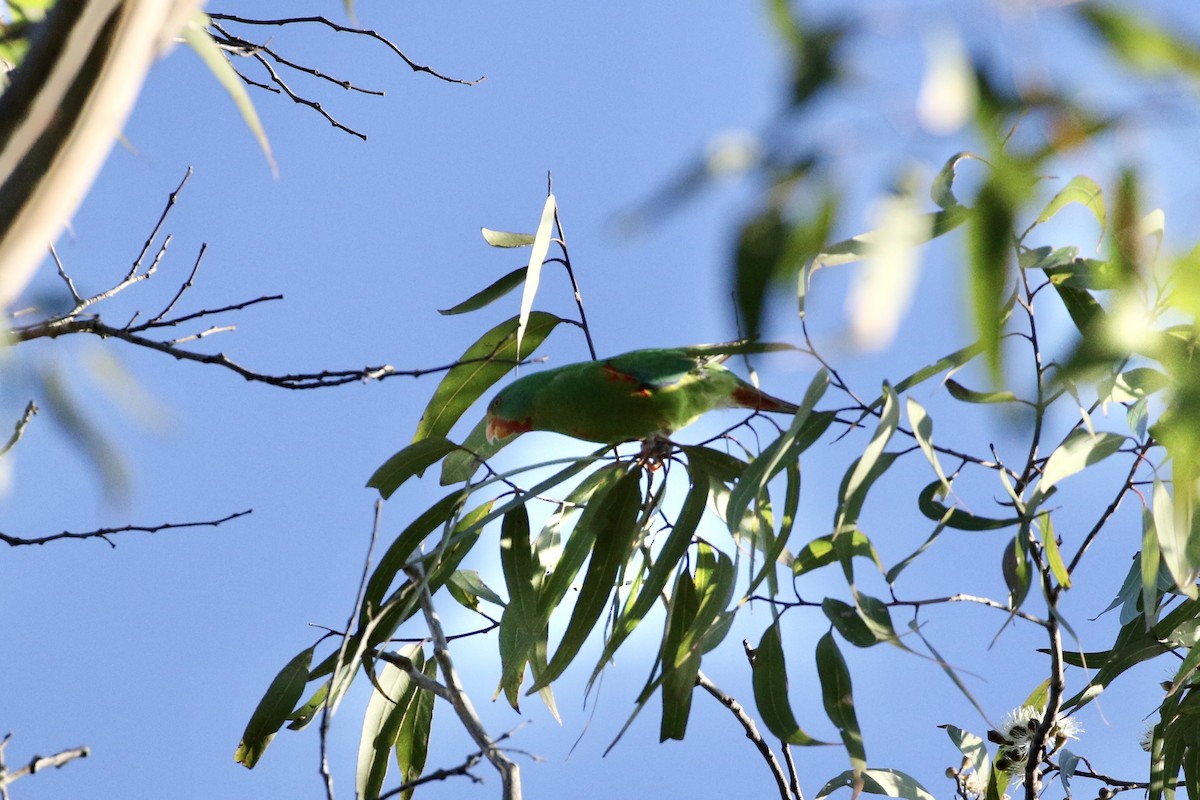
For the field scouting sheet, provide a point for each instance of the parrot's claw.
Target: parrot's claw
(655, 450)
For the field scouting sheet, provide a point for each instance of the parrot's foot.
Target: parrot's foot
(655, 450)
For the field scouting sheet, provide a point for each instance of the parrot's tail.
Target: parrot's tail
(749, 397)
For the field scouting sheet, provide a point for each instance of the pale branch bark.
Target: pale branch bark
(19, 429)
(105, 533)
(510, 774)
(751, 729)
(37, 763)
(370, 34)
(61, 113)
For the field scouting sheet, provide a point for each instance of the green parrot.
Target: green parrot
(642, 395)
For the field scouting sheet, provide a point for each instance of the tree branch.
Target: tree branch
(747, 723)
(104, 533)
(57, 761)
(510, 773)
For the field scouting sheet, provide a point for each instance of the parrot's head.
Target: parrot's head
(511, 412)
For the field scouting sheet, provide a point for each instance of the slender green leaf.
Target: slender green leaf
(612, 529)
(381, 725)
(486, 361)
(492, 293)
(412, 742)
(960, 392)
(461, 464)
(468, 588)
(922, 425)
(1053, 556)
(1077, 452)
(990, 245)
(1082, 190)
(887, 782)
(273, 710)
(957, 518)
(680, 663)
(803, 431)
(673, 550)
(857, 483)
(838, 697)
(398, 553)
(941, 191)
(506, 239)
(412, 460)
(522, 628)
(770, 690)
(533, 274)
(1150, 563)
(821, 552)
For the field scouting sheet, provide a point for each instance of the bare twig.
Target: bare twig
(56, 761)
(104, 533)
(414, 66)
(303, 380)
(19, 429)
(330, 703)
(437, 775)
(510, 774)
(748, 725)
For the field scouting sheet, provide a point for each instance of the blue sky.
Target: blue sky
(154, 653)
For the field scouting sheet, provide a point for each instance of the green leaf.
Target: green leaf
(196, 34)
(672, 551)
(412, 460)
(957, 518)
(941, 191)
(612, 528)
(972, 747)
(770, 690)
(838, 696)
(1150, 563)
(468, 588)
(1084, 310)
(461, 464)
(990, 244)
(887, 782)
(506, 239)
(846, 621)
(1142, 44)
(281, 697)
(533, 274)
(1078, 451)
(488, 360)
(1082, 190)
(960, 392)
(922, 425)
(399, 551)
(522, 628)
(1173, 540)
(489, 295)
(1053, 556)
(821, 551)
(855, 487)
(802, 432)
(680, 663)
(381, 724)
(412, 743)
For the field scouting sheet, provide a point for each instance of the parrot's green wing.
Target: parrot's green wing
(659, 369)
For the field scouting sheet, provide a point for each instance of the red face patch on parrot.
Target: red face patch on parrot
(499, 428)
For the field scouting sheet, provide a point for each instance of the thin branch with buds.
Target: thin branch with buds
(105, 533)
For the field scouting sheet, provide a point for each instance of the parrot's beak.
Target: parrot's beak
(498, 428)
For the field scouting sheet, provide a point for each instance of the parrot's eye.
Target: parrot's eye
(495, 402)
